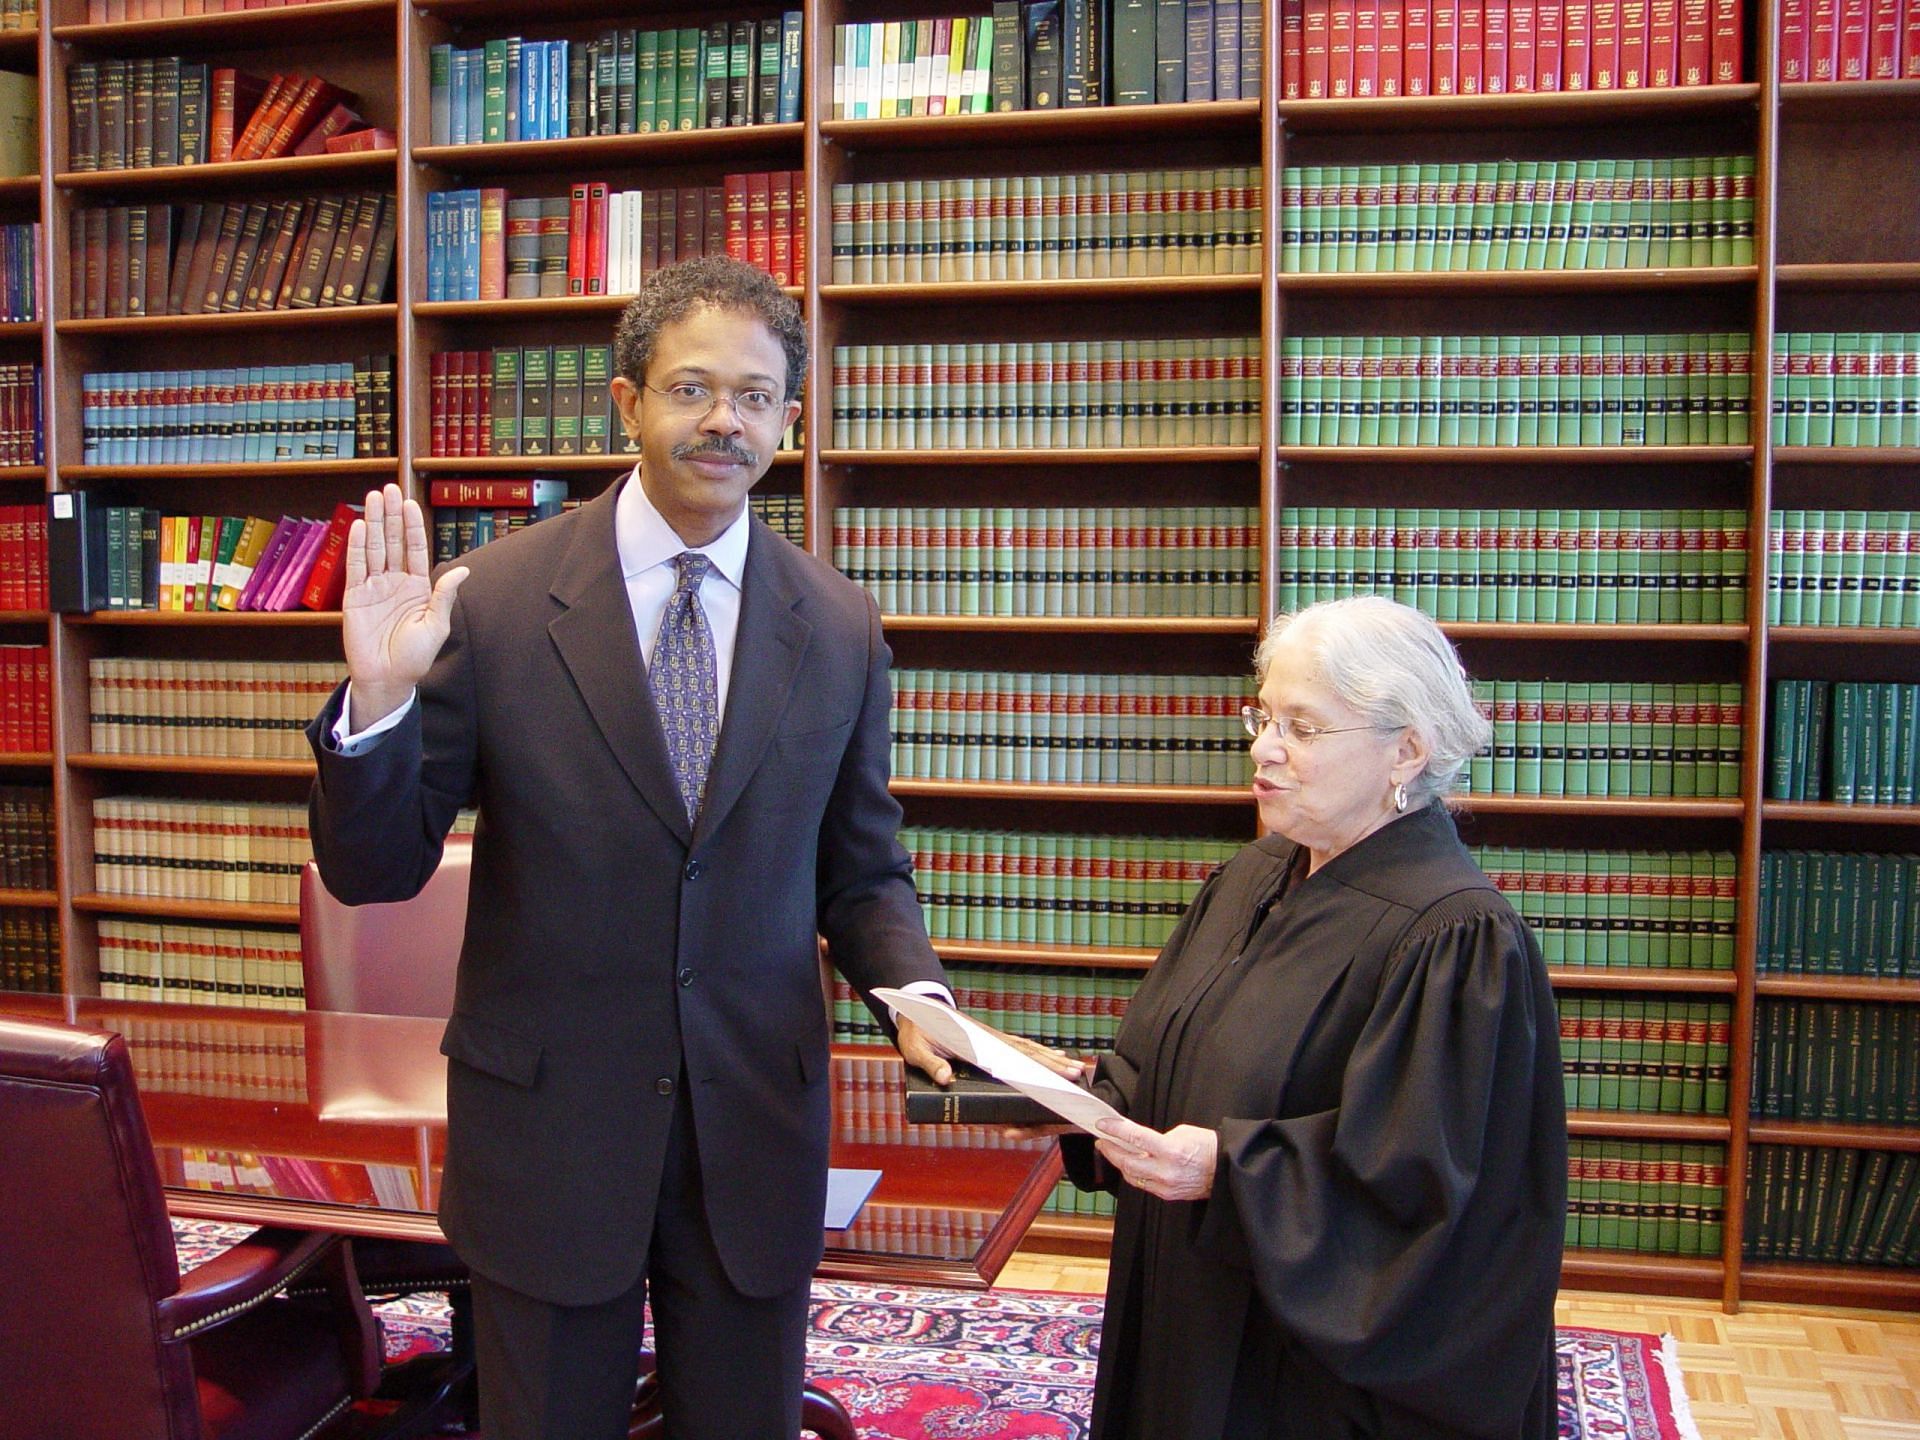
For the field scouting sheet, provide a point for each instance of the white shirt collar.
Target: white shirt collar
(643, 538)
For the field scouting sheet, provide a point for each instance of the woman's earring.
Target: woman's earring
(1400, 798)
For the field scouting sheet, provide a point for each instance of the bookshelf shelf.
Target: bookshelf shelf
(1888, 276)
(1834, 1284)
(1827, 810)
(1159, 287)
(23, 472)
(1139, 455)
(323, 20)
(333, 317)
(31, 899)
(252, 470)
(1686, 982)
(1851, 100)
(212, 619)
(602, 151)
(18, 45)
(1518, 454)
(1074, 625)
(1025, 127)
(1517, 112)
(291, 172)
(221, 911)
(24, 617)
(562, 307)
(1844, 1137)
(1635, 634)
(1837, 987)
(1633, 1125)
(1838, 635)
(998, 953)
(1628, 1270)
(190, 765)
(19, 329)
(1845, 455)
(1072, 1234)
(1521, 282)
(1650, 807)
(24, 758)
(1104, 794)
(554, 464)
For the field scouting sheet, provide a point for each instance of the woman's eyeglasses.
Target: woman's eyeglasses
(1294, 731)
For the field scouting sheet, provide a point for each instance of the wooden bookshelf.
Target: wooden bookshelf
(215, 912)
(1837, 247)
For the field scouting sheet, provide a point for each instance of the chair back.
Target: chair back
(85, 1249)
(394, 959)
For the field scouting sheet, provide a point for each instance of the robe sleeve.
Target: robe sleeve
(1384, 1229)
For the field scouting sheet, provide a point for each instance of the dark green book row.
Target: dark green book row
(1515, 390)
(1045, 888)
(1832, 1206)
(1649, 1055)
(1847, 1061)
(1608, 738)
(1647, 1196)
(787, 514)
(1854, 742)
(1518, 565)
(1076, 1010)
(1844, 567)
(1069, 1199)
(1647, 909)
(26, 837)
(29, 950)
(1826, 913)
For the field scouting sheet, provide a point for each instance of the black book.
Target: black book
(76, 553)
(974, 1098)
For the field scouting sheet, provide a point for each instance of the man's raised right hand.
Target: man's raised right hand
(394, 619)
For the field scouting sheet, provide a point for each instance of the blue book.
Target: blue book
(1200, 50)
(469, 246)
(258, 398)
(436, 245)
(90, 420)
(790, 67)
(516, 68)
(533, 90)
(459, 80)
(144, 451)
(476, 95)
(558, 66)
(1226, 49)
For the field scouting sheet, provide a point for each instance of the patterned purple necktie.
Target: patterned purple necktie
(685, 690)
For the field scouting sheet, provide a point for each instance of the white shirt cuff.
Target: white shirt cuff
(932, 989)
(355, 744)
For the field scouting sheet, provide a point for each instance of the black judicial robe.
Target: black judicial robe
(1376, 1045)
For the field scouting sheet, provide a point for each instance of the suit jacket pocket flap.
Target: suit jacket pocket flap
(494, 1049)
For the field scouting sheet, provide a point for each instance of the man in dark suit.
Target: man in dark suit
(676, 728)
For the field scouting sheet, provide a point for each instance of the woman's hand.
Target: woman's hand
(1176, 1165)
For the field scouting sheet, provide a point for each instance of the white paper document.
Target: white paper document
(847, 1192)
(993, 1052)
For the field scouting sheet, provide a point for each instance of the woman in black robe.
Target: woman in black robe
(1342, 1179)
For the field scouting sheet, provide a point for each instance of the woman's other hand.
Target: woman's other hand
(1175, 1165)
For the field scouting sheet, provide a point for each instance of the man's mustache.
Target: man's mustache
(714, 450)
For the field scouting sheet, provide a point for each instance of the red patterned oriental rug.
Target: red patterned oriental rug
(915, 1364)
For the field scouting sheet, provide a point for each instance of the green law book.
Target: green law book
(1660, 212)
(1393, 350)
(1426, 254)
(1345, 219)
(1405, 215)
(1847, 387)
(1555, 214)
(1618, 174)
(1581, 253)
(493, 93)
(1480, 214)
(1367, 220)
(1639, 213)
(1527, 733)
(1500, 230)
(1452, 389)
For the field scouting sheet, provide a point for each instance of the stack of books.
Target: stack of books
(1641, 909)
(1650, 1055)
(1829, 1205)
(1608, 738)
(1827, 913)
(1852, 742)
(1647, 1196)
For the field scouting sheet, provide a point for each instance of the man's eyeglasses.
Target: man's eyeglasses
(1294, 731)
(689, 398)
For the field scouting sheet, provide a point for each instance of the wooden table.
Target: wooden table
(338, 1122)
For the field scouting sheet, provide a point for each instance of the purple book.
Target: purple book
(263, 567)
(292, 579)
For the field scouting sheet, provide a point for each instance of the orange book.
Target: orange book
(267, 115)
(317, 98)
(235, 93)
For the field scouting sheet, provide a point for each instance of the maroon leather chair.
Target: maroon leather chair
(105, 1339)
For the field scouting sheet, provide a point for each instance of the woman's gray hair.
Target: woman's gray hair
(1393, 665)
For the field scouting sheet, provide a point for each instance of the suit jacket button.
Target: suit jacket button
(663, 1086)
(686, 975)
(692, 872)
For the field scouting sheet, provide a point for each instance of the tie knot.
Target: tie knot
(693, 569)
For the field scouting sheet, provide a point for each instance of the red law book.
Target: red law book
(437, 403)
(487, 494)
(1472, 47)
(328, 581)
(577, 239)
(339, 120)
(1696, 38)
(1444, 51)
(476, 380)
(1823, 35)
(597, 238)
(493, 243)
(354, 142)
(1883, 43)
(1521, 18)
(1633, 44)
(1416, 55)
(780, 226)
(1663, 43)
(1366, 48)
(1494, 34)
(1604, 66)
(1795, 60)
(456, 370)
(1576, 48)
(1393, 42)
(1549, 43)
(1293, 27)
(1850, 61)
(797, 187)
(1909, 42)
(759, 220)
(736, 212)
(1340, 35)
(1316, 33)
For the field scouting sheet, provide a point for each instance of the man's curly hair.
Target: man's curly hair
(671, 294)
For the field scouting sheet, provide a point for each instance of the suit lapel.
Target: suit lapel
(596, 643)
(766, 656)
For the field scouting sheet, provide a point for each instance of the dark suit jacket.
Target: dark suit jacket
(607, 946)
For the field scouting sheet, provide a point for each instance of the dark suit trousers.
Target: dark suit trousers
(730, 1366)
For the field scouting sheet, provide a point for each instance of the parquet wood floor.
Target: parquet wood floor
(1768, 1373)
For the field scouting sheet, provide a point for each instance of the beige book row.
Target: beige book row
(236, 966)
(213, 709)
(224, 1059)
(246, 852)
